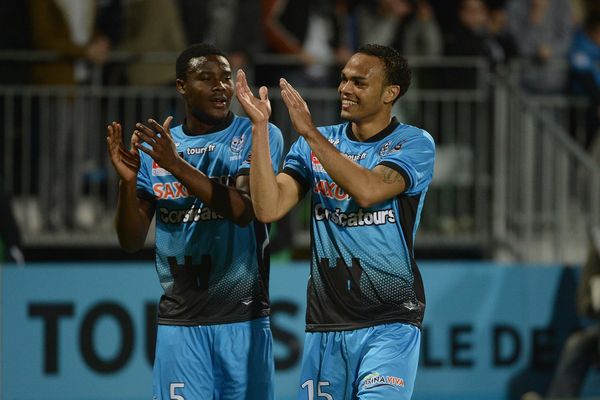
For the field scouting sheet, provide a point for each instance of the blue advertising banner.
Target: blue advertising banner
(86, 331)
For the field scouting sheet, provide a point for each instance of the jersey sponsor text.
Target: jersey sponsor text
(193, 214)
(353, 219)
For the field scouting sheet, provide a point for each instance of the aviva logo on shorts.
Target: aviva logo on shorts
(374, 380)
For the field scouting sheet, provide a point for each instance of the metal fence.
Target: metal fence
(547, 187)
(490, 139)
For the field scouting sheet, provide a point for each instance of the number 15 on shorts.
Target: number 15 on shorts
(309, 385)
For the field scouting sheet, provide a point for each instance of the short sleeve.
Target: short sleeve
(296, 162)
(275, 147)
(414, 159)
(144, 182)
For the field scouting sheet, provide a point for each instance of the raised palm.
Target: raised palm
(126, 162)
(297, 108)
(257, 109)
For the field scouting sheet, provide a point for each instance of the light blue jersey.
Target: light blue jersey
(363, 271)
(212, 270)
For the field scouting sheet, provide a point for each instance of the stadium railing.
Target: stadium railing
(547, 186)
(55, 166)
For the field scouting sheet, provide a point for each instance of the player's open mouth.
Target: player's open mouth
(346, 104)
(219, 102)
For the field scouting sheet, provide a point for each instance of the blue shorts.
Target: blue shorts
(221, 362)
(375, 363)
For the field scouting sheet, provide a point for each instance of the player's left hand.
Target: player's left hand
(298, 109)
(161, 146)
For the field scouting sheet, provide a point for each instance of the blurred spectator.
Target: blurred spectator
(195, 18)
(542, 30)
(380, 21)
(476, 34)
(152, 26)
(14, 35)
(445, 11)
(308, 32)
(422, 35)
(110, 21)
(232, 27)
(409, 26)
(584, 61)
(286, 26)
(67, 27)
(506, 48)
(10, 235)
(480, 33)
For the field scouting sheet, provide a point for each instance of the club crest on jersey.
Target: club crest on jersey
(385, 149)
(157, 170)
(237, 144)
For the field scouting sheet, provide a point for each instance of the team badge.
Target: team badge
(385, 149)
(237, 144)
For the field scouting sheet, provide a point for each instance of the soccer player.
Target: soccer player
(367, 179)
(214, 338)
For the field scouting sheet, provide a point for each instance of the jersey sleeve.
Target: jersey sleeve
(296, 163)
(144, 183)
(275, 147)
(414, 160)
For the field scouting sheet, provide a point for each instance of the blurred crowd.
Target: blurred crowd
(556, 42)
(311, 34)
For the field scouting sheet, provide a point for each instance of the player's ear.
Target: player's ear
(391, 93)
(180, 85)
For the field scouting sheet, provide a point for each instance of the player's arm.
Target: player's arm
(273, 196)
(367, 187)
(232, 203)
(133, 215)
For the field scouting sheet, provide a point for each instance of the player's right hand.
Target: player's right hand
(257, 109)
(126, 162)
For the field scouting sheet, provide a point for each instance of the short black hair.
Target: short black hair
(397, 71)
(194, 51)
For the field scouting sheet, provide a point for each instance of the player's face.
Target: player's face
(362, 87)
(207, 88)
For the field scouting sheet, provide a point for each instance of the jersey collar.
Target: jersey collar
(377, 137)
(216, 128)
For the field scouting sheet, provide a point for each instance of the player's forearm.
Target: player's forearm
(360, 183)
(230, 202)
(131, 225)
(263, 183)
